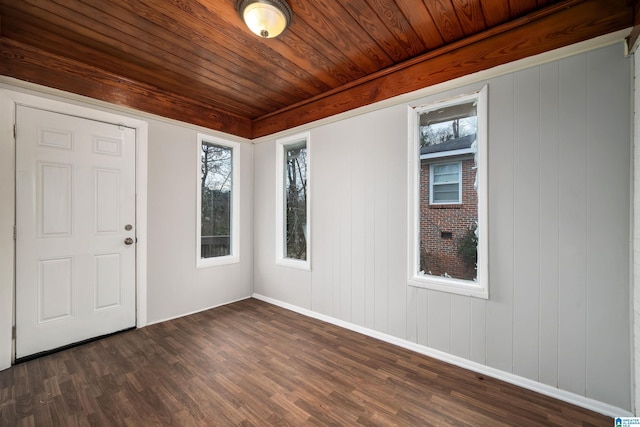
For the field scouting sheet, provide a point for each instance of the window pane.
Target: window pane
(446, 193)
(450, 169)
(295, 179)
(216, 195)
(447, 234)
(445, 177)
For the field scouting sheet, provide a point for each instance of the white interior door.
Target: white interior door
(75, 210)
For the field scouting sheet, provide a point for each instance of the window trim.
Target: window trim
(234, 256)
(432, 183)
(480, 287)
(281, 145)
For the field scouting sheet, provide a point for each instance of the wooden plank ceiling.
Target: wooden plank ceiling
(195, 61)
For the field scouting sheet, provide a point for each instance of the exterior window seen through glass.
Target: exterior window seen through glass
(445, 183)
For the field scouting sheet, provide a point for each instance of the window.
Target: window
(292, 194)
(448, 196)
(445, 183)
(217, 201)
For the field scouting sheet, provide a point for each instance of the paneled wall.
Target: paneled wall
(175, 286)
(559, 216)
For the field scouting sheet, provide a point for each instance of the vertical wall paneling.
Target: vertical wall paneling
(549, 229)
(501, 274)
(478, 341)
(460, 326)
(526, 217)
(359, 177)
(334, 178)
(608, 187)
(412, 314)
(559, 183)
(381, 235)
(321, 293)
(369, 156)
(413, 293)
(422, 317)
(439, 321)
(262, 236)
(344, 171)
(572, 185)
(396, 140)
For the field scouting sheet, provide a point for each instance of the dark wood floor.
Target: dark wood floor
(251, 363)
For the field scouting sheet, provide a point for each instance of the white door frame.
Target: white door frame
(8, 101)
(635, 243)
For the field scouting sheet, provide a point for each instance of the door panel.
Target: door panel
(75, 195)
(54, 188)
(107, 283)
(54, 289)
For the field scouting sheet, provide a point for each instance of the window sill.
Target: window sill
(446, 206)
(452, 286)
(294, 263)
(217, 261)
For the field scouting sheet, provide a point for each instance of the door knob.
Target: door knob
(128, 241)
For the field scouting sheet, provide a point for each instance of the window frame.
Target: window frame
(432, 182)
(234, 256)
(480, 287)
(281, 145)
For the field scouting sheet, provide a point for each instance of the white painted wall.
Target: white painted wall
(559, 203)
(175, 287)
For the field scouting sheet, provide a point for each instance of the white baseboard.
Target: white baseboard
(547, 390)
(196, 311)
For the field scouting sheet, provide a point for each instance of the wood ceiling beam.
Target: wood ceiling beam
(632, 40)
(27, 63)
(554, 27)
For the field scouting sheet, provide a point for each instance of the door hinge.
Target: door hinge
(13, 332)
(15, 131)
(15, 233)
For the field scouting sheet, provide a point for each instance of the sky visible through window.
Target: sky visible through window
(443, 124)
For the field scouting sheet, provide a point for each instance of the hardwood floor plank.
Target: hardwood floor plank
(253, 364)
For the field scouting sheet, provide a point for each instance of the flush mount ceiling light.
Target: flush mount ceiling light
(265, 18)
